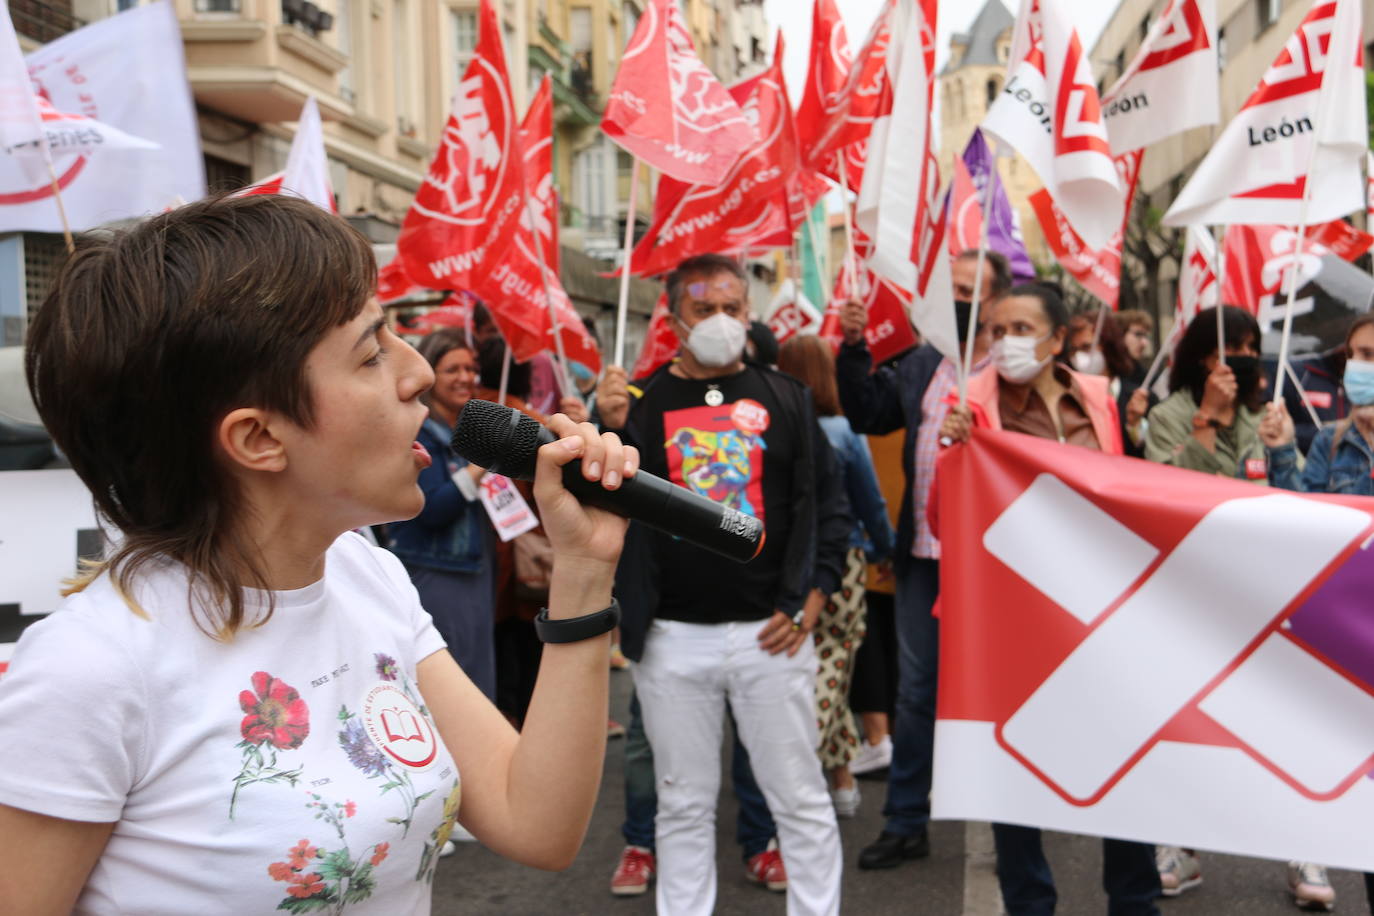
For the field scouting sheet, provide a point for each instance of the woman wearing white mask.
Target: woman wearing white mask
(1341, 459)
(1025, 389)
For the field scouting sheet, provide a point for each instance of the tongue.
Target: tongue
(421, 454)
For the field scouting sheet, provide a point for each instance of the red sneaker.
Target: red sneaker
(633, 874)
(767, 869)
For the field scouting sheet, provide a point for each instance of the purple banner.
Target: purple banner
(1004, 231)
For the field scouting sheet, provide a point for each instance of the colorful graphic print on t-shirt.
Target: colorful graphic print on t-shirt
(718, 452)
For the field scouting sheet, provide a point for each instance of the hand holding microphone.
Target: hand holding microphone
(505, 441)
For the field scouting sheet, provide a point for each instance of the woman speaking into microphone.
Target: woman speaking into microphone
(244, 708)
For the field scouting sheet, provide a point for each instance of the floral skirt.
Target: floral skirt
(838, 635)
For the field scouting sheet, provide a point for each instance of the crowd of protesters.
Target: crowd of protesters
(819, 658)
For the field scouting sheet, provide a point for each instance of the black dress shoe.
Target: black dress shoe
(890, 850)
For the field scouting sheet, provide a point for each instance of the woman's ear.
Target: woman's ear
(1057, 344)
(246, 436)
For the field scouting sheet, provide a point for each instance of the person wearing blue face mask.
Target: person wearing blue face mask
(1341, 459)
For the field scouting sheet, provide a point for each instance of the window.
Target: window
(993, 89)
(1144, 29)
(123, 5)
(580, 30)
(400, 67)
(1269, 11)
(202, 6)
(1221, 49)
(464, 38)
(1120, 62)
(612, 45)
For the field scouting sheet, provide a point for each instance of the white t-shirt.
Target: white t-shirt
(295, 767)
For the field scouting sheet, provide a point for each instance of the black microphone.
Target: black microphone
(504, 441)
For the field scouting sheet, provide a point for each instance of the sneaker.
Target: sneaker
(1179, 870)
(460, 834)
(846, 801)
(618, 660)
(448, 849)
(633, 873)
(872, 757)
(767, 869)
(614, 729)
(1311, 888)
(891, 849)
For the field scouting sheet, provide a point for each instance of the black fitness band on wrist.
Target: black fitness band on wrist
(576, 629)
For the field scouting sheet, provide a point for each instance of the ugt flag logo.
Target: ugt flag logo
(1139, 651)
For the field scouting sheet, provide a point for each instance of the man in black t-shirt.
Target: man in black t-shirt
(704, 629)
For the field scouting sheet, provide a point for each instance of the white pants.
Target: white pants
(687, 674)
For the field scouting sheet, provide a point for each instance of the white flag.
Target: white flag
(22, 136)
(1302, 133)
(127, 72)
(790, 313)
(1172, 85)
(307, 166)
(1049, 112)
(890, 197)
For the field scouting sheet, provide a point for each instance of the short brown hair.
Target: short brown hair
(1128, 317)
(151, 335)
(809, 360)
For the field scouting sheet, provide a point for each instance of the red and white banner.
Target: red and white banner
(128, 73)
(749, 205)
(1049, 112)
(393, 283)
(661, 342)
(307, 165)
(667, 109)
(1098, 271)
(536, 136)
(1301, 134)
(1172, 84)
(790, 313)
(1341, 238)
(1197, 278)
(468, 208)
(965, 211)
(1065, 700)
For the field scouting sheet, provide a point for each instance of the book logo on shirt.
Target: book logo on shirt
(396, 725)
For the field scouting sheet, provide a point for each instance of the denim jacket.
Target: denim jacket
(450, 534)
(873, 532)
(1348, 471)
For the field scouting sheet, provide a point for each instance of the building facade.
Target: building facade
(383, 73)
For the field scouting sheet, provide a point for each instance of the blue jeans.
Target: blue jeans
(918, 668)
(754, 826)
(1128, 874)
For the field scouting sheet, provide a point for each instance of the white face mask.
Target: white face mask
(1015, 359)
(1090, 362)
(717, 341)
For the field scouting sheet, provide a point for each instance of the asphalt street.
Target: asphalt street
(956, 880)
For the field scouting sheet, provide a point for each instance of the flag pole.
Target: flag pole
(821, 273)
(1287, 338)
(1302, 393)
(1097, 331)
(565, 383)
(1221, 276)
(505, 376)
(624, 305)
(61, 209)
(1165, 347)
(966, 364)
(851, 258)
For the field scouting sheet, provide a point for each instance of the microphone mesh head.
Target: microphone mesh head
(498, 438)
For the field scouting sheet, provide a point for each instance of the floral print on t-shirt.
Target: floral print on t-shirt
(275, 719)
(319, 879)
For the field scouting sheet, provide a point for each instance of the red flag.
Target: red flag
(393, 284)
(660, 341)
(1258, 262)
(826, 78)
(889, 330)
(1064, 701)
(469, 205)
(965, 211)
(667, 109)
(865, 97)
(749, 206)
(1098, 271)
(1342, 238)
(536, 135)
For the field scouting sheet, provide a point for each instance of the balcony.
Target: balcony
(43, 20)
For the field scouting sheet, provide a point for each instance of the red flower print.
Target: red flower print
(305, 885)
(280, 871)
(379, 856)
(275, 712)
(301, 854)
(350, 809)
